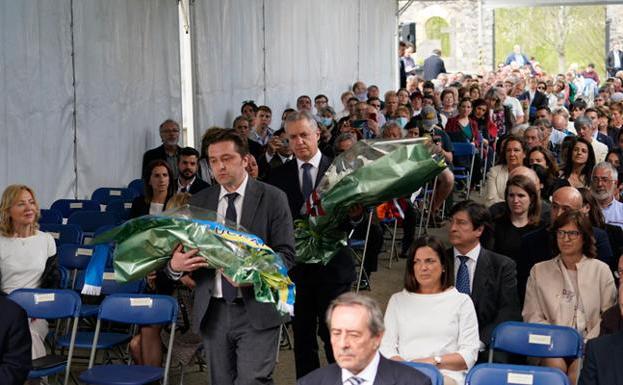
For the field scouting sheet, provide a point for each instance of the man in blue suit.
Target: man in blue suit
(15, 343)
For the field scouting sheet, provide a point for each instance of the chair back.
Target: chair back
(140, 309)
(89, 221)
(436, 378)
(70, 206)
(63, 234)
(501, 374)
(536, 340)
(463, 149)
(121, 208)
(138, 185)
(51, 216)
(75, 257)
(47, 303)
(103, 195)
(110, 284)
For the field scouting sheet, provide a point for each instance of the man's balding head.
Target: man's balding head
(565, 199)
(528, 172)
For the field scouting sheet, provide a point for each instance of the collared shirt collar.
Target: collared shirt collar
(240, 190)
(181, 186)
(314, 161)
(472, 254)
(368, 373)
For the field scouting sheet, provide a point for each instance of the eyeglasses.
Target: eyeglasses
(602, 179)
(571, 234)
(170, 131)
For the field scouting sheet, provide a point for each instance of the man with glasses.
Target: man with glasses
(535, 98)
(168, 151)
(603, 187)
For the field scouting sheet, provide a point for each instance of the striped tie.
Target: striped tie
(462, 276)
(355, 381)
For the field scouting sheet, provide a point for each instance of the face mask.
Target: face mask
(327, 122)
(362, 96)
(401, 121)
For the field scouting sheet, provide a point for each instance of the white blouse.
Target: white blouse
(22, 260)
(427, 325)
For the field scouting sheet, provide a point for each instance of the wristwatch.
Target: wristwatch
(437, 360)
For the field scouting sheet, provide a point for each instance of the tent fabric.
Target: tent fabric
(127, 83)
(272, 51)
(36, 96)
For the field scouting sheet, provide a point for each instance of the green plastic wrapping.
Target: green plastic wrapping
(370, 173)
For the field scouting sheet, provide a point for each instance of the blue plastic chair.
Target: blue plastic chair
(63, 234)
(536, 340)
(51, 304)
(51, 216)
(121, 208)
(90, 221)
(501, 374)
(103, 195)
(429, 370)
(463, 175)
(70, 206)
(132, 309)
(138, 185)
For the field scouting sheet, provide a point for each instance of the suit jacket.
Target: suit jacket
(198, 185)
(546, 284)
(611, 321)
(433, 66)
(610, 62)
(602, 362)
(15, 343)
(264, 214)
(388, 373)
(153, 154)
(494, 292)
(605, 139)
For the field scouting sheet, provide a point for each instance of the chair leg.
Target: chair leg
(363, 256)
(393, 247)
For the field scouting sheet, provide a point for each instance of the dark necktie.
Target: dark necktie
(230, 292)
(354, 380)
(462, 276)
(308, 185)
(184, 189)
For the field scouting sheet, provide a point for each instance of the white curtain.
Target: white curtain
(272, 51)
(36, 97)
(127, 83)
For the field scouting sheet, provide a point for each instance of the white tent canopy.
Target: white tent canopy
(85, 84)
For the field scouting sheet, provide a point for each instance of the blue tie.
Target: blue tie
(230, 292)
(354, 380)
(462, 276)
(308, 185)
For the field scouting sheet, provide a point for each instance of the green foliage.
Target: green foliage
(435, 27)
(556, 36)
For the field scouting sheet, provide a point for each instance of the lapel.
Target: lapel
(481, 274)
(384, 375)
(252, 196)
(325, 162)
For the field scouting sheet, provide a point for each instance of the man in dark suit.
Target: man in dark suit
(316, 284)
(593, 115)
(15, 343)
(188, 165)
(278, 152)
(434, 65)
(614, 61)
(537, 245)
(241, 334)
(168, 151)
(535, 98)
(356, 324)
(490, 279)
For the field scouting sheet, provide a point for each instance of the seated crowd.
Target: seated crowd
(544, 247)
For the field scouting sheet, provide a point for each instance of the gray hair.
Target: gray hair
(539, 133)
(327, 109)
(344, 136)
(614, 174)
(388, 125)
(561, 111)
(582, 121)
(167, 122)
(543, 122)
(375, 316)
(301, 115)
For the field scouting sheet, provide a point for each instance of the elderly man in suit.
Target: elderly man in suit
(15, 356)
(241, 334)
(316, 284)
(168, 151)
(490, 279)
(434, 65)
(356, 325)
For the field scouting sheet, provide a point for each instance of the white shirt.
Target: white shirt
(427, 325)
(156, 208)
(22, 260)
(617, 59)
(180, 186)
(283, 158)
(315, 162)
(515, 105)
(472, 259)
(221, 210)
(600, 149)
(368, 374)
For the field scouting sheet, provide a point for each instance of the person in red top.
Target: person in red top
(464, 129)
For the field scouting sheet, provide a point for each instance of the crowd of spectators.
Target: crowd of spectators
(544, 247)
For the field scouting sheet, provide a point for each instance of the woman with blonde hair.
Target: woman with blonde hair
(27, 255)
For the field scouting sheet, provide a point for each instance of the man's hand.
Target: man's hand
(151, 280)
(273, 145)
(186, 261)
(374, 127)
